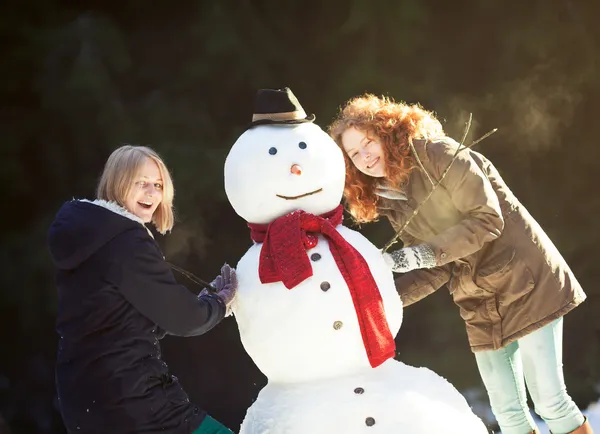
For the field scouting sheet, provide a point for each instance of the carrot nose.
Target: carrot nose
(296, 169)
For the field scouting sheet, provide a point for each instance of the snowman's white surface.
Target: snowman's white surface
(307, 340)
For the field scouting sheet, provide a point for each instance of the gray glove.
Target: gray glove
(410, 258)
(225, 286)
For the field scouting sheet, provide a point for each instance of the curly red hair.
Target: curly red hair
(395, 124)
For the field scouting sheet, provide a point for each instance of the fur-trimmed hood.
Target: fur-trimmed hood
(82, 227)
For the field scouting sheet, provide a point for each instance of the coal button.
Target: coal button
(325, 286)
(359, 390)
(370, 421)
(315, 257)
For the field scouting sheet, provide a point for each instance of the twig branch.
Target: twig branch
(193, 278)
(467, 128)
(414, 151)
(460, 148)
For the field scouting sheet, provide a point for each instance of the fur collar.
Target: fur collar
(116, 208)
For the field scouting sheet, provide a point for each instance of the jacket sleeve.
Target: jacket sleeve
(418, 284)
(472, 195)
(147, 282)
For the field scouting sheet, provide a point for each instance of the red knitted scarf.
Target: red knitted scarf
(283, 258)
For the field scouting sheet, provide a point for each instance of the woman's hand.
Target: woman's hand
(410, 258)
(225, 286)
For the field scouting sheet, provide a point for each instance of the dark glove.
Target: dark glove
(225, 286)
(410, 258)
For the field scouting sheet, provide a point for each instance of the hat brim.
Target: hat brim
(309, 118)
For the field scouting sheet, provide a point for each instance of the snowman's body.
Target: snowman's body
(397, 399)
(307, 339)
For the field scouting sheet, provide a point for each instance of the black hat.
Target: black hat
(278, 106)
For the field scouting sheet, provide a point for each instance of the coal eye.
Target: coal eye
(302, 145)
(272, 151)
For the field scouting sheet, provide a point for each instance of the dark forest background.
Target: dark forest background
(78, 79)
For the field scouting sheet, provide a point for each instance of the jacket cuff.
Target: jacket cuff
(218, 301)
(428, 259)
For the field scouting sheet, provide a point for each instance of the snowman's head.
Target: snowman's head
(272, 170)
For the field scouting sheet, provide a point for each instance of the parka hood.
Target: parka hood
(81, 227)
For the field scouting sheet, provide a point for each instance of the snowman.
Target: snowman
(317, 308)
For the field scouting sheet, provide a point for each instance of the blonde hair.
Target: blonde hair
(395, 124)
(118, 178)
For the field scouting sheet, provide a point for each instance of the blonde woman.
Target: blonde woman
(509, 281)
(117, 297)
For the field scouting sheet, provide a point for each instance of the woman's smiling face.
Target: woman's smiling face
(147, 192)
(365, 152)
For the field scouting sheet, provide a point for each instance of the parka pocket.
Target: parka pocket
(506, 276)
(495, 265)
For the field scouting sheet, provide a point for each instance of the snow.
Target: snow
(393, 398)
(258, 172)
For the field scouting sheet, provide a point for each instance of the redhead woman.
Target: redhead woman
(117, 297)
(510, 283)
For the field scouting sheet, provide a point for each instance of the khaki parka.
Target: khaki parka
(506, 276)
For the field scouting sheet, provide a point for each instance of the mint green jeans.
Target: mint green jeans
(534, 360)
(211, 426)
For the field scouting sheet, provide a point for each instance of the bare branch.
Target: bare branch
(193, 277)
(412, 147)
(467, 128)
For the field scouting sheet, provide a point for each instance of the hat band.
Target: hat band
(287, 116)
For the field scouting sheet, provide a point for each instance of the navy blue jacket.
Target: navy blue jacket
(116, 298)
